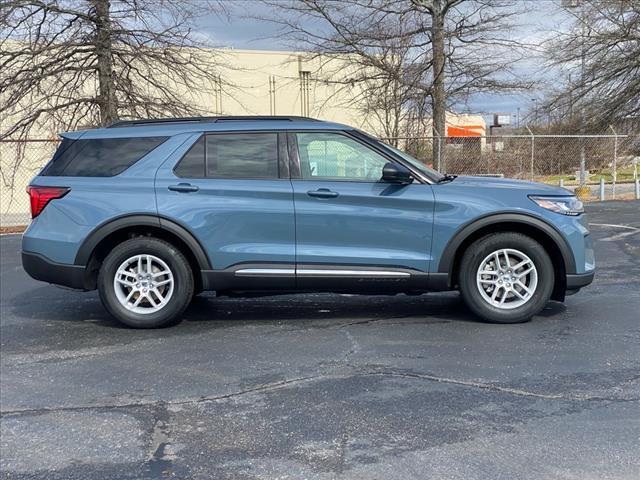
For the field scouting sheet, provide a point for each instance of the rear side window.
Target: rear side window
(232, 155)
(104, 157)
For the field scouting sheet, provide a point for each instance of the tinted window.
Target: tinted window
(242, 155)
(192, 164)
(232, 155)
(99, 157)
(333, 156)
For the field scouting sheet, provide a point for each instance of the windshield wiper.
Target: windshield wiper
(446, 178)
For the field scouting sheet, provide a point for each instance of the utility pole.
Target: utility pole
(438, 96)
(576, 4)
(583, 155)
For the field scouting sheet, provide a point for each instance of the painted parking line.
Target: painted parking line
(618, 236)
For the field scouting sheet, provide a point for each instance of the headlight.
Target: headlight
(563, 205)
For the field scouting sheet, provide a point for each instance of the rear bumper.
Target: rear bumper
(576, 281)
(41, 268)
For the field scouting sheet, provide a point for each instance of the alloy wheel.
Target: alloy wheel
(143, 284)
(507, 278)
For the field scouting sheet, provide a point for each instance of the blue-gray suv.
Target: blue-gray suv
(154, 212)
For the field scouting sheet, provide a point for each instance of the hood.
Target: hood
(512, 184)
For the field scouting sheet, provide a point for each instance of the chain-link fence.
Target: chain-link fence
(20, 160)
(567, 160)
(556, 159)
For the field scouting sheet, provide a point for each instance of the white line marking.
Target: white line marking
(619, 236)
(628, 227)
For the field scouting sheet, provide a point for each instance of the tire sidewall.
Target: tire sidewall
(182, 276)
(479, 250)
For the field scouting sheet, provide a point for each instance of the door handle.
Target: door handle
(322, 193)
(184, 187)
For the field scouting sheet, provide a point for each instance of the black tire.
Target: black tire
(168, 315)
(479, 250)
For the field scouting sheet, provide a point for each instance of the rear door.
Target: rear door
(352, 229)
(232, 191)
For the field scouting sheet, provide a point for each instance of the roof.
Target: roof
(174, 126)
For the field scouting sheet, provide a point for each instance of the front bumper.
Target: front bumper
(41, 268)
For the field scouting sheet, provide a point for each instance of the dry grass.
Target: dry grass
(16, 229)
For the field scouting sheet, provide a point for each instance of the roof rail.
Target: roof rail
(246, 118)
(282, 118)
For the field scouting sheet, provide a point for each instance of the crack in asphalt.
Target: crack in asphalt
(512, 391)
(355, 346)
(160, 456)
(338, 326)
(298, 380)
(25, 359)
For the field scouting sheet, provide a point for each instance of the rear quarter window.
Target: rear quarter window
(104, 157)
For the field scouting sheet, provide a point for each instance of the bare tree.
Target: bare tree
(363, 51)
(406, 51)
(600, 58)
(74, 63)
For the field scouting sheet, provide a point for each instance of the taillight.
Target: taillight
(40, 196)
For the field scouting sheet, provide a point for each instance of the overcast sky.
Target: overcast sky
(240, 32)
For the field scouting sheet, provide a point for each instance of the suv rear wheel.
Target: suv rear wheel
(146, 283)
(506, 277)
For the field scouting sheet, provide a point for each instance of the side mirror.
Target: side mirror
(395, 173)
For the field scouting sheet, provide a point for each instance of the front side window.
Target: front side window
(331, 156)
(232, 155)
(429, 172)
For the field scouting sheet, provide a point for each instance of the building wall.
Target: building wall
(248, 82)
(280, 83)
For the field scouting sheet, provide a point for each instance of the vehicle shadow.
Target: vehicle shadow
(327, 306)
(52, 304)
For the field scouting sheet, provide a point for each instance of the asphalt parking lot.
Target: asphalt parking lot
(327, 386)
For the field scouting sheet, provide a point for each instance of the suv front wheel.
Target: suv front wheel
(146, 282)
(506, 277)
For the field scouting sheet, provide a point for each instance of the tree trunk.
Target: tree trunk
(438, 96)
(107, 100)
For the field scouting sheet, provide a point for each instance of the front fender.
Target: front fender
(448, 256)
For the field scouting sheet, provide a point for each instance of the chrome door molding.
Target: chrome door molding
(349, 272)
(265, 272)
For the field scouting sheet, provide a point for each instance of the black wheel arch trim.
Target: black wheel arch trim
(41, 268)
(575, 281)
(137, 220)
(448, 255)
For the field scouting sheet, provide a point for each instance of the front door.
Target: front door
(352, 229)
